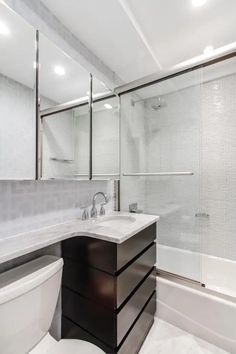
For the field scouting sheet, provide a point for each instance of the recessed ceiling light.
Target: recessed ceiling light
(108, 106)
(208, 50)
(198, 3)
(59, 70)
(4, 30)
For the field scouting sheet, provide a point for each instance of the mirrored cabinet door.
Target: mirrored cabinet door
(62, 79)
(105, 138)
(17, 97)
(65, 144)
(64, 103)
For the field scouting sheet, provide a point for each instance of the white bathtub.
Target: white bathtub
(209, 317)
(216, 273)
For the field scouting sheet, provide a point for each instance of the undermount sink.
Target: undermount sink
(116, 221)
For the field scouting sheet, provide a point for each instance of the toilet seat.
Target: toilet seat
(49, 345)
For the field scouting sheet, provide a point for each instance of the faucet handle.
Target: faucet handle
(102, 209)
(93, 212)
(85, 215)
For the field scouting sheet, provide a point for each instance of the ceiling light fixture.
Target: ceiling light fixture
(208, 50)
(198, 3)
(59, 70)
(108, 106)
(4, 30)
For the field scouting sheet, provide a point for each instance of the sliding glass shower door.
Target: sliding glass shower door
(160, 167)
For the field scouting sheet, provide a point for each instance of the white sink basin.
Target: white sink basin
(116, 221)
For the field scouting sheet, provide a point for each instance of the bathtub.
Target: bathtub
(216, 273)
(200, 313)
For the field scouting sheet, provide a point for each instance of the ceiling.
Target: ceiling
(136, 38)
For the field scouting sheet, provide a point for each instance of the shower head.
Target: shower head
(158, 104)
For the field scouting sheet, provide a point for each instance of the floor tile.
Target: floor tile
(164, 338)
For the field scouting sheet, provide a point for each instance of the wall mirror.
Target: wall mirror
(17, 97)
(79, 120)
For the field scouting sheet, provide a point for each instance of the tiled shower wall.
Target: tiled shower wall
(28, 205)
(195, 131)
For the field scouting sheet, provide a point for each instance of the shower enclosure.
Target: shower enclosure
(178, 148)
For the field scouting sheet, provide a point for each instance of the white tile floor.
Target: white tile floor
(164, 338)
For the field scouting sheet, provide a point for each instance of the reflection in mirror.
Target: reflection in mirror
(62, 79)
(65, 145)
(17, 98)
(106, 139)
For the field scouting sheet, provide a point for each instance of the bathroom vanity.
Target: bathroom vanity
(108, 290)
(109, 283)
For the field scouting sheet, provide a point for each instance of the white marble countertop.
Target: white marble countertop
(25, 243)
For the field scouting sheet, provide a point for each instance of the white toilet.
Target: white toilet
(28, 297)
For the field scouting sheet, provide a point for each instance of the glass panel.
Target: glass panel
(66, 145)
(106, 139)
(160, 135)
(17, 96)
(218, 202)
(62, 79)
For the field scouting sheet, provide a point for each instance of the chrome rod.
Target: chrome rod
(159, 174)
(38, 137)
(80, 102)
(96, 175)
(90, 126)
(61, 160)
(171, 73)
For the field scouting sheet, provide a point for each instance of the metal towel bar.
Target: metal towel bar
(159, 174)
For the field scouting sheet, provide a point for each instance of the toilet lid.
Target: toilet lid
(74, 346)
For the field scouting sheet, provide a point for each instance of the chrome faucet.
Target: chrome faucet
(94, 212)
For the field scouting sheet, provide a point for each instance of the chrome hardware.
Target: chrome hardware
(94, 212)
(85, 215)
(158, 174)
(133, 208)
(102, 210)
(202, 215)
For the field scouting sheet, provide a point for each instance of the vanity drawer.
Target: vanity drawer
(128, 314)
(108, 256)
(107, 325)
(138, 333)
(134, 339)
(129, 249)
(108, 290)
(89, 315)
(129, 279)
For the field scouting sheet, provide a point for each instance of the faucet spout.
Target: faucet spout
(94, 212)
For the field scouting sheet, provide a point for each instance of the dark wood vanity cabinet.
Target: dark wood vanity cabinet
(108, 292)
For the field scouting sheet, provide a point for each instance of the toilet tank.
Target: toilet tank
(28, 297)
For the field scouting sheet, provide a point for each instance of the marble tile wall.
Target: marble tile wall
(28, 205)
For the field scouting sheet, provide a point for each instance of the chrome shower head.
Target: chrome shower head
(160, 103)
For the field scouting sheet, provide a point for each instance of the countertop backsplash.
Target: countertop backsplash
(29, 205)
